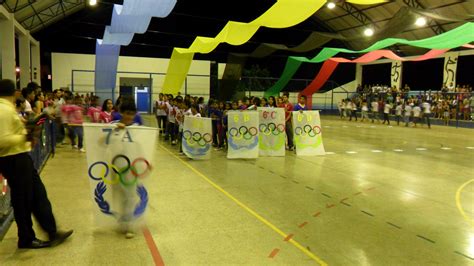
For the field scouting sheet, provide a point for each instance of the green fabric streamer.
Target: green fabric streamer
(448, 40)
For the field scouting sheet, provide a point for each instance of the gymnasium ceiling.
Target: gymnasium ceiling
(72, 25)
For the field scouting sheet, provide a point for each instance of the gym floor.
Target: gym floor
(381, 196)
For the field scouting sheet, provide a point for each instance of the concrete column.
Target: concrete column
(7, 45)
(35, 62)
(24, 53)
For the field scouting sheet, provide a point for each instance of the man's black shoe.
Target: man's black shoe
(35, 244)
(59, 237)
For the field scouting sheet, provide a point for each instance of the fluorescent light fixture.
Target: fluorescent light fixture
(17, 69)
(420, 22)
(92, 2)
(331, 5)
(368, 32)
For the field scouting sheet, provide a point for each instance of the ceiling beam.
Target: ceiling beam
(434, 25)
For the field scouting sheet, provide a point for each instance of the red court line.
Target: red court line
(273, 253)
(302, 225)
(330, 206)
(316, 214)
(288, 237)
(152, 246)
(344, 199)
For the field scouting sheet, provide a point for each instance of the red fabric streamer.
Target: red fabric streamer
(330, 65)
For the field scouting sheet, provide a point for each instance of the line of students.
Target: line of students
(170, 113)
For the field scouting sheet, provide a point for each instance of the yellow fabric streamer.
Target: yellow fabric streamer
(283, 14)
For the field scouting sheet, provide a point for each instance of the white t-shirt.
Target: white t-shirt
(28, 108)
(159, 111)
(365, 108)
(375, 107)
(398, 110)
(416, 111)
(426, 108)
(387, 108)
(408, 110)
(171, 113)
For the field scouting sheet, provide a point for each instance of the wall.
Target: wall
(64, 63)
(321, 100)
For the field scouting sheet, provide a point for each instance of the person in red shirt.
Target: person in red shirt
(106, 113)
(288, 113)
(94, 110)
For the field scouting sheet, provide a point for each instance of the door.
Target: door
(142, 97)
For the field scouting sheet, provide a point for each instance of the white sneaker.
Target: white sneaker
(74, 146)
(82, 150)
(129, 235)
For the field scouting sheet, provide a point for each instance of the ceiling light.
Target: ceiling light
(331, 5)
(17, 69)
(368, 32)
(420, 22)
(92, 2)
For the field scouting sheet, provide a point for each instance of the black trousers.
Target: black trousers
(28, 196)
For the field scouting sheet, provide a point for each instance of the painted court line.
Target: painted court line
(470, 148)
(330, 153)
(351, 152)
(248, 209)
(398, 150)
(152, 246)
(302, 225)
(376, 151)
(421, 149)
(425, 238)
(446, 148)
(459, 253)
(273, 253)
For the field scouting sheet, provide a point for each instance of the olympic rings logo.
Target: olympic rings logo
(271, 128)
(243, 132)
(118, 173)
(197, 137)
(308, 130)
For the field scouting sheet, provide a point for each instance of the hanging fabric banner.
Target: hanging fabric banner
(197, 137)
(118, 163)
(242, 135)
(450, 68)
(178, 68)
(396, 74)
(307, 133)
(451, 39)
(238, 33)
(106, 62)
(271, 131)
(330, 65)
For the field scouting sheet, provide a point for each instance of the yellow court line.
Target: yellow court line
(458, 202)
(249, 210)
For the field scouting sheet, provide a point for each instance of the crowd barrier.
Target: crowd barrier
(40, 153)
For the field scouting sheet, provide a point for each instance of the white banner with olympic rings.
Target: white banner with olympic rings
(307, 133)
(271, 129)
(118, 163)
(197, 137)
(242, 134)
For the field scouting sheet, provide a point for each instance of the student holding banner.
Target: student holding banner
(301, 106)
(288, 126)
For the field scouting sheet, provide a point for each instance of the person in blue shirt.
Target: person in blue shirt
(118, 116)
(301, 106)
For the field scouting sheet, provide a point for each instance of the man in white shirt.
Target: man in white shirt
(416, 114)
(427, 112)
(407, 116)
